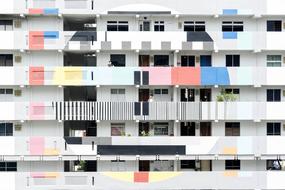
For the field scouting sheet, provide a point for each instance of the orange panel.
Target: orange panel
(141, 177)
(186, 76)
(36, 40)
(36, 75)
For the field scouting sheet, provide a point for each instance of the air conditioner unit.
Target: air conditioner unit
(17, 23)
(18, 127)
(179, 25)
(18, 59)
(18, 92)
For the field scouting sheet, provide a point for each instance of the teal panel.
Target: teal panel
(123, 75)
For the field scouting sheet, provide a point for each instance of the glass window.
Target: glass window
(232, 164)
(232, 60)
(232, 26)
(194, 26)
(117, 26)
(274, 25)
(6, 60)
(160, 129)
(117, 129)
(159, 26)
(6, 129)
(188, 61)
(160, 91)
(6, 25)
(273, 95)
(118, 95)
(8, 166)
(161, 60)
(118, 60)
(232, 129)
(275, 165)
(273, 128)
(274, 60)
(187, 164)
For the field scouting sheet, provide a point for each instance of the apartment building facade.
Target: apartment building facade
(144, 94)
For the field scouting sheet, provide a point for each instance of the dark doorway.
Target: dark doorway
(205, 95)
(143, 95)
(187, 95)
(205, 129)
(144, 60)
(187, 128)
(143, 129)
(144, 165)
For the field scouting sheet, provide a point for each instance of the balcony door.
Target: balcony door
(143, 95)
(144, 60)
(145, 25)
(187, 95)
(144, 165)
(187, 128)
(205, 95)
(205, 129)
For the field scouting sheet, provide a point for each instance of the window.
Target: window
(273, 128)
(275, 165)
(274, 26)
(6, 60)
(187, 129)
(161, 60)
(159, 26)
(7, 91)
(6, 25)
(6, 129)
(187, 95)
(118, 95)
(232, 91)
(118, 60)
(232, 26)
(273, 95)
(274, 60)
(205, 60)
(160, 129)
(194, 26)
(8, 166)
(188, 164)
(232, 129)
(188, 61)
(161, 91)
(232, 60)
(117, 26)
(118, 129)
(232, 164)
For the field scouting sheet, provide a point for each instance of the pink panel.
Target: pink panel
(37, 145)
(36, 40)
(159, 75)
(37, 111)
(37, 174)
(36, 11)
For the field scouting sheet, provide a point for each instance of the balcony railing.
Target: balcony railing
(148, 148)
(145, 180)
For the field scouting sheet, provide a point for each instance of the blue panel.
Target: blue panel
(230, 11)
(50, 11)
(214, 76)
(51, 34)
(208, 76)
(229, 35)
(223, 76)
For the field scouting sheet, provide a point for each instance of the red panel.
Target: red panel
(141, 177)
(36, 75)
(186, 76)
(36, 40)
(36, 11)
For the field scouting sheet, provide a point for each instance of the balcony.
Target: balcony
(143, 111)
(144, 180)
(131, 76)
(148, 148)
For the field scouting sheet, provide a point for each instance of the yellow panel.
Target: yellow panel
(68, 76)
(51, 151)
(51, 174)
(123, 176)
(230, 150)
(161, 176)
(230, 173)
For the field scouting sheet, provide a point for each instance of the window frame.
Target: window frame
(275, 129)
(270, 27)
(120, 127)
(232, 26)
(7, 130)
(234, 60)
(275, 94)
(232, 164)
(159, 26)
(117, 26)
(231, 129)
(272, 62)
(194, 26)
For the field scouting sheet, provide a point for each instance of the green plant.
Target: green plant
(129, 135)
(144, 133)
(226, 97)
